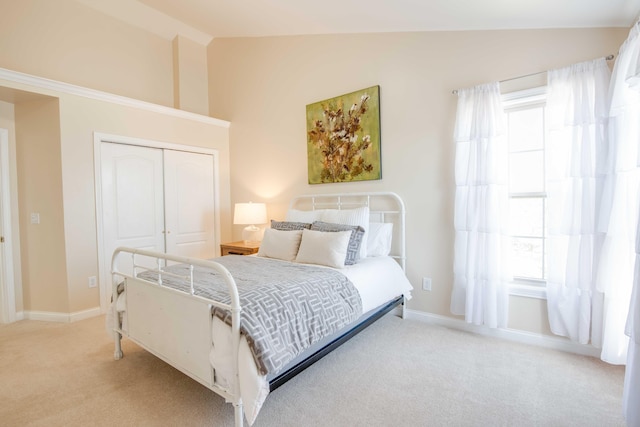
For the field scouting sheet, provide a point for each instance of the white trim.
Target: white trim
(85, 314)
(533, 95)
(8, 310)
(120, 139)
(523, 337)
(48, 316)
(69, 89)
(104, 268)
(529, 291)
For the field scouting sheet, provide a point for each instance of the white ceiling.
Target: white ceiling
(203, 20)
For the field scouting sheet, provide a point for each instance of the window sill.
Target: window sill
(528, 291)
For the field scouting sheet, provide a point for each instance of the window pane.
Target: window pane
(526, 129)
(527, 258)
(526, 172)
(526, 217)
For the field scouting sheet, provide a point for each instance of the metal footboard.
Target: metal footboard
(175, 325)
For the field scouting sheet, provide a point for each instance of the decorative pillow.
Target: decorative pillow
(355, 240)
(280, 244)
(358, 216)
(295, 215)
(330, 249)
(288, 225)
(379, 240)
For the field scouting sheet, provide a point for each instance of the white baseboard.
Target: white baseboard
(524, 337)
(48, 316)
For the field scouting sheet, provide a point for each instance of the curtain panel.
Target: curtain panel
(480, 213)
(631, 393)
(623, 219)
(621, 199)
(576, 114)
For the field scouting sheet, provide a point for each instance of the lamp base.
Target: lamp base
(252, 234)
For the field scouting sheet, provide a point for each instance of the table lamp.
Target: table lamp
(251, 214)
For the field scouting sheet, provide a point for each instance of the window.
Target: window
(525, 114)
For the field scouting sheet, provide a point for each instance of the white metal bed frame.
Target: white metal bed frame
(175, 326)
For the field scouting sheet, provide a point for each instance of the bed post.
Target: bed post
(237, 412)
(117, 354)
(235, 342)
(117, 336)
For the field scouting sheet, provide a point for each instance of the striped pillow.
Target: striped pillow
(355, 241)
(289, 225)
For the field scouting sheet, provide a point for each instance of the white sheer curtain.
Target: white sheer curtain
(576, 116)
(625, 194)
(619, 208)
(480, 285)
(631, 394)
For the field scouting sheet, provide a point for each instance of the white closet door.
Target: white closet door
(132, 198)
(189, 204)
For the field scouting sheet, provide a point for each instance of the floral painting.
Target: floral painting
(343, 138)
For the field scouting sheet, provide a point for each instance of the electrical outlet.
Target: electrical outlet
(426, 283)
(93, 282)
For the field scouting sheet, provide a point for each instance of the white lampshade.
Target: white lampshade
(250, 213)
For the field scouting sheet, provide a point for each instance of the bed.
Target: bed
(244, 325)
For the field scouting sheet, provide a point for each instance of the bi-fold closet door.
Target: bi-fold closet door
(157, 199)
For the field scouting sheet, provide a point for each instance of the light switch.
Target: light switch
(35, 218)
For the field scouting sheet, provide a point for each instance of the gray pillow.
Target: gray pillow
(289, 225)
(355, 241)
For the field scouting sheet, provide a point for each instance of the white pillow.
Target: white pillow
(294, 215)
(379, 241)
(358, 216)
(318, 247)
(280, 244)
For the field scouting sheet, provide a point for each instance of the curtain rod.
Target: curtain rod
(455, 91)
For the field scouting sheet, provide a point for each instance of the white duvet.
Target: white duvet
(378, 280)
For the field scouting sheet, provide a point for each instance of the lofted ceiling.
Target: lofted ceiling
(203, 20)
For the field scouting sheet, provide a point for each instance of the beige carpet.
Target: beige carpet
(397, 372)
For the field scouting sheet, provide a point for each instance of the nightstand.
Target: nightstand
(239, 248)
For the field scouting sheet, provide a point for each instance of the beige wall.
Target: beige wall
(190, 86)
(79, 119)
(262, 86)
(40, 192)
(55, 164)
(67, 41)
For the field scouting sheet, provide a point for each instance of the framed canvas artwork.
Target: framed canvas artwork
(343, 138)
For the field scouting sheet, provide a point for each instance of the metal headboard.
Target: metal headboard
(383, 207)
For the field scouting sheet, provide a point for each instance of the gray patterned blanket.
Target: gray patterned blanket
(286, 307)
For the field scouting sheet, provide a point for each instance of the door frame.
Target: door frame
(7, 279)
(104, 266)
